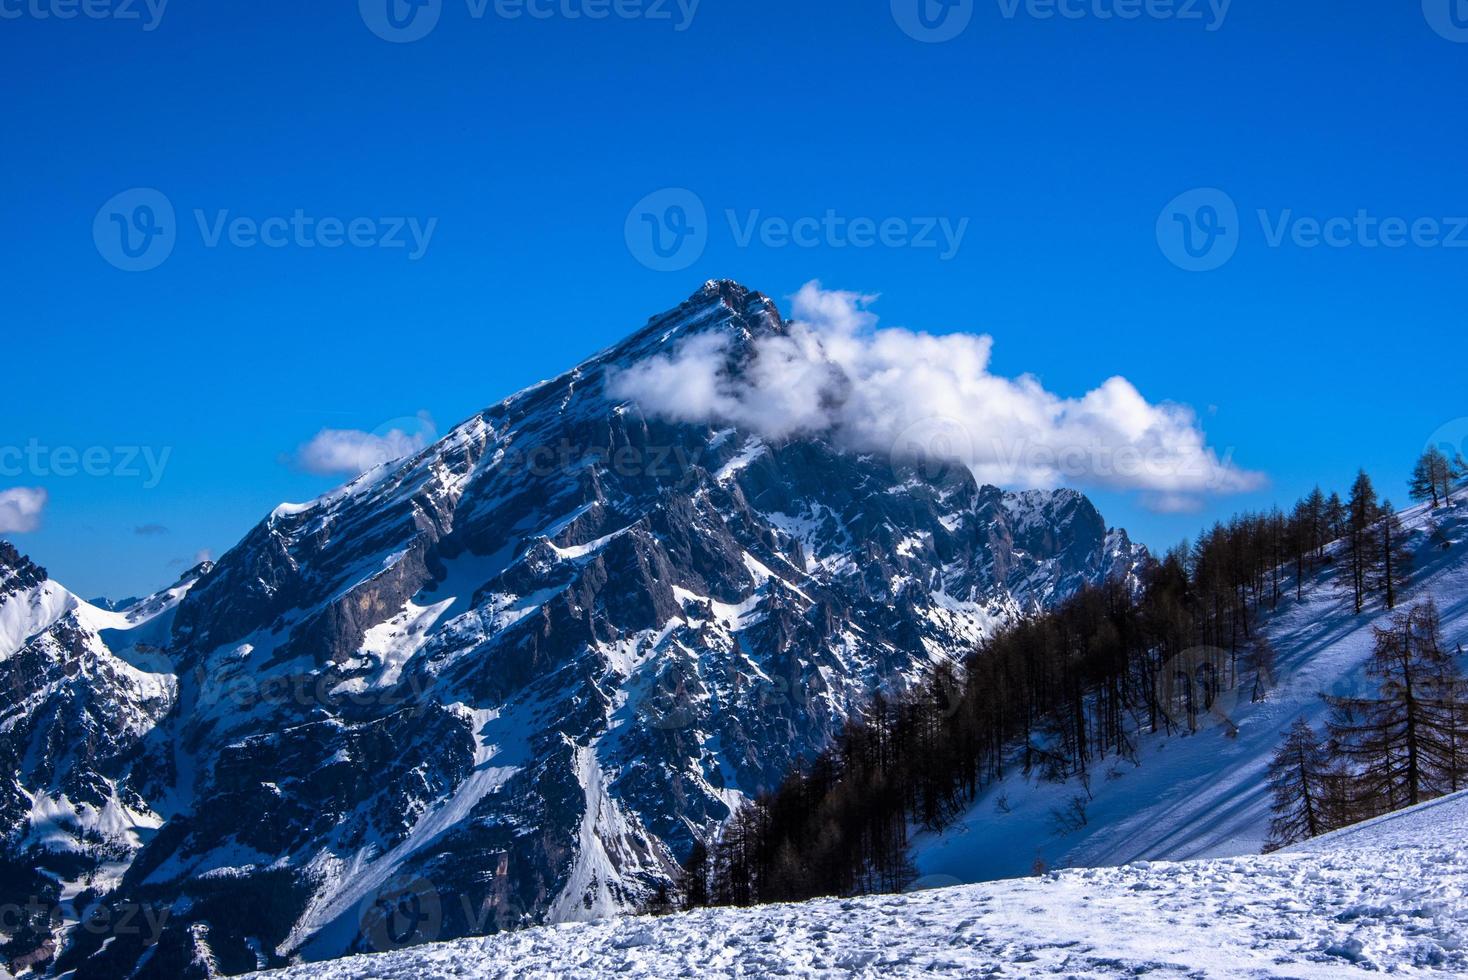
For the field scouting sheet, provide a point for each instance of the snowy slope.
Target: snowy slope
(1388, 895)
(1204, 795)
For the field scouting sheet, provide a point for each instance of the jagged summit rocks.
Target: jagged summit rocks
(509, 680)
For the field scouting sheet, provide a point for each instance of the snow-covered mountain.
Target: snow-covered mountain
(83, 688)
(1384, 896)
(1205, 794)
(509, 680)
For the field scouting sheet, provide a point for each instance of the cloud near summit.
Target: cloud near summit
(914, 395)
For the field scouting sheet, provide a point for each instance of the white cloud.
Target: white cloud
(350, 452)
(20, 509)
(913, 396)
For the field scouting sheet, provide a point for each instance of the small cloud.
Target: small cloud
(203, 555)
(20, 509)
(350, 452)
(150, 530)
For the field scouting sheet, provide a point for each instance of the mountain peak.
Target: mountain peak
(606, 625)
(718, 306)
(17, 570)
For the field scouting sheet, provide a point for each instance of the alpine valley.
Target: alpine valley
(508, 681)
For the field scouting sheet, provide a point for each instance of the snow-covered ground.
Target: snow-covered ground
(1384, 896)
(1205, 794)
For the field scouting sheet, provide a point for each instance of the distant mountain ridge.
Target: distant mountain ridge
(511, 678)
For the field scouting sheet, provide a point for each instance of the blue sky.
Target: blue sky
(524, 143)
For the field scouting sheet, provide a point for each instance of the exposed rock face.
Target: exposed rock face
(509, 680)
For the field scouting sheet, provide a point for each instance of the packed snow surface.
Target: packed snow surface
(1383, 896)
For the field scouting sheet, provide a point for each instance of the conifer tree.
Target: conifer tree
(695, 878)
(1394, 565)
(1360, 552)
(1424, 483)
(1405, 744)
(1315, 515)
(1335, 519)
(1298, 782)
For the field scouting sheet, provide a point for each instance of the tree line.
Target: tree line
(1066, 693)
